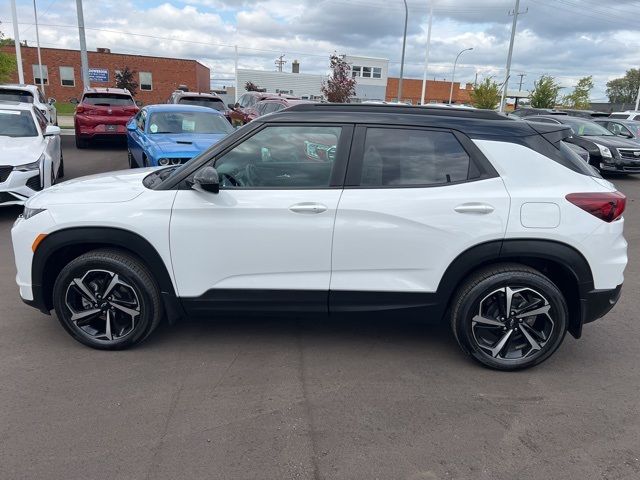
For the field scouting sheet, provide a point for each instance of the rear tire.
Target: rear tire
(80, 142)
(107, 299)
(509, 317)
(61, 167)
(131, 160)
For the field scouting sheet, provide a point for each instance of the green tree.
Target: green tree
(125, 78)
(545, 92)
(579, 98)
(7, 61)
(486, 94)
(339, 86)
(625, 89)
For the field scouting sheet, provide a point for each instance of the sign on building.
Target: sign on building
(99, 75)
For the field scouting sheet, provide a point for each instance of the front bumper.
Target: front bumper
(597, 303)
(19, 186)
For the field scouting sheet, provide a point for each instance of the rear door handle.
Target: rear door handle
(474, 207)
(308, 208)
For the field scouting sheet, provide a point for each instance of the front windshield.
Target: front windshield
(16, 123)
(188, 122)
(585, 128)
(216, 103)
(8, 95)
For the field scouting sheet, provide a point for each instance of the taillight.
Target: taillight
(607, 206)
(79, 109)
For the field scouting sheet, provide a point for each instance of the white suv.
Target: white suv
(327, 208)
(30, 94)
(626, 115)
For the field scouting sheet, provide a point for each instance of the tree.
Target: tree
(7, 61)
(251, 87)
(579, 98)
(125, 78)
(486, 94)
(545, 92)
(625, 89)
(339, 86)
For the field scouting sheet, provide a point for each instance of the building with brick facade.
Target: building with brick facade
(436, 92)
(157, 77)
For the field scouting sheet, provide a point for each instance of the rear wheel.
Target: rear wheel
(61, 167)
(509, 317)
(80, 142)
(131, 160)
(107, 299)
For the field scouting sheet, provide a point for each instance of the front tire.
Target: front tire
(107, 299)
(509, 317)
(61, 167)
(131, 160)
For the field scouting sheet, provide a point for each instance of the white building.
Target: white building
(370, 75)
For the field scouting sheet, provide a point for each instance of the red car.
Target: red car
(103, 113)
(241, 112)
(271, 105)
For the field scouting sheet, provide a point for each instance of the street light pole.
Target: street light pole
(454, 72)
(426, 59)
(16, 41)
(86, 83)
(404, 45)
(35, 15)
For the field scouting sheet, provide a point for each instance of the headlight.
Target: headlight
(604, 151)
(28, 167)
(164, 161)
(30, 212)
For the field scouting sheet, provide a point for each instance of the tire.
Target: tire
(109, 327)
(131, 160)
(515, 341)
(61, 167)
(145, 162)
(80, 142)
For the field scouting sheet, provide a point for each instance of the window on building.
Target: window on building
(366, 72)
(408, 157)
(146, 81)
(377, 72)
(67, 77)
(38, 77)
(356, 71)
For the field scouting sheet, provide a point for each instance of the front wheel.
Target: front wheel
(107, 299)
(509, 317)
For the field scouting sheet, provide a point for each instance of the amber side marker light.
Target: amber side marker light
(37, 242)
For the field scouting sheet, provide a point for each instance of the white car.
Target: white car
(30, 94)
(448, 214)
(30, 153)
(627, 115)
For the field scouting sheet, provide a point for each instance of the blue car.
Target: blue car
(173, 134)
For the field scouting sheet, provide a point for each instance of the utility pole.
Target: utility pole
(16, 41)
(280, 62)
(84, 59)
(404, 45)
(236, 72)
(521, 75)
(516, 12)
(638, 99)
(426, 59)
(475, 82)
(35, 15)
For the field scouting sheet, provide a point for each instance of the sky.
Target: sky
(567, 39)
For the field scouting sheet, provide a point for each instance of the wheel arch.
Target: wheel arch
(563, 264)
(62, 246)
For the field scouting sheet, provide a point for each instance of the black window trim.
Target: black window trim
(354, 170)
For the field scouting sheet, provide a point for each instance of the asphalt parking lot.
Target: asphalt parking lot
(303, 398)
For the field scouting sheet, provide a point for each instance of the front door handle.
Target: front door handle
(474, 207)
(308, 208)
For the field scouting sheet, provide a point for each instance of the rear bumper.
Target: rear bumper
(597, 303)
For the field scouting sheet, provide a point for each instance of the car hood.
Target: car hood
(20, 150)
(111, 187)
(184, 143)
(612, 141)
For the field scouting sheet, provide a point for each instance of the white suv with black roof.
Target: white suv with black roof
(446, 214)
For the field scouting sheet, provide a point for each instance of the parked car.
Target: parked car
(102, 113)
(607, 152)
(624, 128)
(201, 99)
(30, 94)
(530, 112)
(581, 152)
(628, 115)
(31, 155)
(173, 134)
(241, 112)
(590, 114)
(271, 105)
(448, 214)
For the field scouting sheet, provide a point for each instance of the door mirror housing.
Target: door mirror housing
(74, 101)
(207, 179)
(51, 130)
(625, 135)
(139, 103)
(232, 106)
(52, 101)
(132, 125)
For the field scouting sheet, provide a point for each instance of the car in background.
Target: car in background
(530, 112)
(31, 155)
(591, 114)
(627, 115)
(30, 94)
(242, 110)
(624, 128)
(102, 113)
(167, 134)
(583, 153)
(607, 152)
(200, 99)
(272, 105)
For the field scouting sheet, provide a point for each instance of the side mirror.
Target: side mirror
(207, 179)
(74, 101)
(139, 103)
(132, 125)
(51, 130)
(625, 135)
(52, 101)
(232, 106)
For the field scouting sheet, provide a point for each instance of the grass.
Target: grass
(65, 108)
